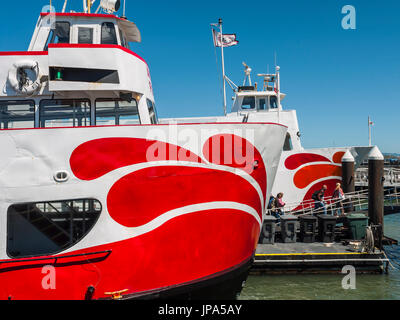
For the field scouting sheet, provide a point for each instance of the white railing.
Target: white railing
(391, 175)
(358, 200)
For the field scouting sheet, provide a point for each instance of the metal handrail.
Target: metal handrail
(356, 199)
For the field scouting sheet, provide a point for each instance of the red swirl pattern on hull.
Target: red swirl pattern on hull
(182, 249)
(315, 170)
(95, 158)
(174, 187)
(236, 152)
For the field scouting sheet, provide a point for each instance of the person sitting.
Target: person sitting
(271, 202)
(278, 205)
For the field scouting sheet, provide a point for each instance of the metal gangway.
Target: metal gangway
(391, 175)
(358, 200)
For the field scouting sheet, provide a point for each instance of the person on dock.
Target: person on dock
(277, 205)
(318, 196)
(337, 198)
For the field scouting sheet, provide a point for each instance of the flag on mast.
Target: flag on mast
(227, 40)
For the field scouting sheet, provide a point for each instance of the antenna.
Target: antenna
(64, 6)
(247, 71)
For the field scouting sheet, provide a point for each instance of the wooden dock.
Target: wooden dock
(314, 258)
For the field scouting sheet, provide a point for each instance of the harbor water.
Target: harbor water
(329, 287)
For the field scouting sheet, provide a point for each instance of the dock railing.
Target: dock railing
(358, 200)
(391, 175)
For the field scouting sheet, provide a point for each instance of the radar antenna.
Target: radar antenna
(247, 72)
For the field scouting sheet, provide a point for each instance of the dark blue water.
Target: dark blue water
(326, 287)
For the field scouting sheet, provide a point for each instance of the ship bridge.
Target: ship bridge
(77, 61)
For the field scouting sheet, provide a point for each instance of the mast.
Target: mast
(223, 64)
(64, 6)
(369, 132)
(278, 92)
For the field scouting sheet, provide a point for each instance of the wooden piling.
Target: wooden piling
(348, 178)
(375, 187)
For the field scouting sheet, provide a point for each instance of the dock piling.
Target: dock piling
(375, 186)
(348, 178)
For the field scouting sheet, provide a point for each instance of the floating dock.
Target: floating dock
(315, 258)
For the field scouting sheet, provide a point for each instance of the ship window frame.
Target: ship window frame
(152, 111)
(92, 34)
(113, 34)
(288, 145)
(116, 113)
(265, 99)
(52, 34)
(273, 105)
(37, 252)
(42, 123)
(253, 104)
(29, 102)
(123, 42)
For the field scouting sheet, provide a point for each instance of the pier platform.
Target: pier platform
(315, 258)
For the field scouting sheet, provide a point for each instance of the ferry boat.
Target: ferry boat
(301, 171)
(99, 200)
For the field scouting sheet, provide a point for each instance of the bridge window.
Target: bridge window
(124, 43)
(108, 34)
(17, 114)
(152, 112)
(64, 113)
(61, 34)
(261, 104)
(248, 103)
(46, 228)
(288, 143)
(116, 112)
(273, 102)
(85, 35)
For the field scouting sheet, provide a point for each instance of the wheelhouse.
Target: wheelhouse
(83, 28)
(77, 72)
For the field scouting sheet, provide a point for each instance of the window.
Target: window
(46, 228)
(261, 105)
(248, 103)
(152, 112)
(17, 114)
(124, 43)
(287, 146)
(64, 113)
(116, 112)
(59, 35)
(108, 35)
(85, 35)
(273, 103)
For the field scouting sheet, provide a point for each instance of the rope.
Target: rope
(390, 264)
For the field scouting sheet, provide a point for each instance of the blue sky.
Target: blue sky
(333, 77)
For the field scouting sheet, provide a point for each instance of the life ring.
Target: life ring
(18, 80)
